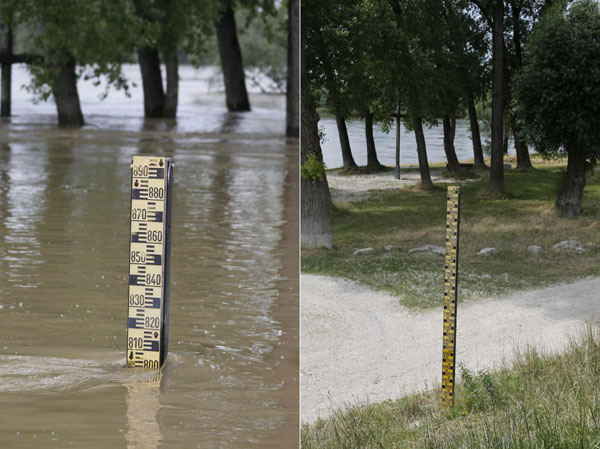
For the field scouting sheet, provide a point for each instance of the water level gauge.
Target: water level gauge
(149, 259)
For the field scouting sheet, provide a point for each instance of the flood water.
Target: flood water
(386, 143)
(230, 380)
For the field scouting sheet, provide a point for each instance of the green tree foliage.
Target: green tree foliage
(329, 53)
(263, 40)
(175, 24)
(98, 35)
(557, 92)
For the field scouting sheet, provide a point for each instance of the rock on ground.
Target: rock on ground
(363, 251)
(488, 251)
(569, 245)
(535, 249)
(429, 249)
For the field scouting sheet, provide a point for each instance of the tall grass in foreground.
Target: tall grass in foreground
(542, 401)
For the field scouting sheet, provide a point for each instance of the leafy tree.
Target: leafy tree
(315, 207)
(264, 44)
(557, 93)
(330, 62)
(414, 72)
(492, 13)
(466, 69)
(230, 52)
(90, 39)
(459, 51)
(170, 25)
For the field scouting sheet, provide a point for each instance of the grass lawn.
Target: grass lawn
(543, 401)
(408, 218)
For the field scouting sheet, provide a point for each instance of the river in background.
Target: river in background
(386, 143)
(231, 378)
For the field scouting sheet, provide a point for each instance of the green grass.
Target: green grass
(407, 218)
(542, 401)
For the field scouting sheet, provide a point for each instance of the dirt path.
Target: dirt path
(346, 188)
(359, 345)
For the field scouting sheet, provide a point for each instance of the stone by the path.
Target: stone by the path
(488, 251)
(363, 251)
(535, 249)
(569, 245)
(431, 250)
(388, 247)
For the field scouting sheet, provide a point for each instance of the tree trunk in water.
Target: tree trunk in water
(478, 160)
(497, 164)
(6, 46)
(315, 207)
(66, 96)
(231, 62)
(344, 140)
(449, 132)
(372, 162)
(172, 95)
(523, 159)
(569, 198)
(154, 95)
(293, 74)
(426, 183)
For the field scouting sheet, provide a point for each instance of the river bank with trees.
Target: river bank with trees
(432, 62)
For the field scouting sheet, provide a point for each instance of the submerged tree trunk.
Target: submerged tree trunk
(293, 74)
(315, 207)
(372, 161)
(66, 95)
(154, 95)
(344, 140)
(6, 46)
(478, 160)
(523, 159)
(231, 61)
(497, 163)
(449, 132)
(426, 183)
(172, 94)
(569, 198)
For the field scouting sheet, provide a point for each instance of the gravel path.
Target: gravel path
(348, 188)
(360, 345)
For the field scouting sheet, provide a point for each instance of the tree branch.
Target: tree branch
(9, 58)
(485, 13)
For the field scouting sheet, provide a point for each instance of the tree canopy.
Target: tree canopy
(558, 88)
(557, 92)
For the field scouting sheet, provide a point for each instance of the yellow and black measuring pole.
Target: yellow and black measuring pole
(149, 260)
(450, 296)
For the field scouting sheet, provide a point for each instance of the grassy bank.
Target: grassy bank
(408, 218)
(542, 401)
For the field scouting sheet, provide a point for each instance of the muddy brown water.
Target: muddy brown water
(231, 378)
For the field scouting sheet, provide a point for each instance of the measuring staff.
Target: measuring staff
(149, 260)
(450, 296)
